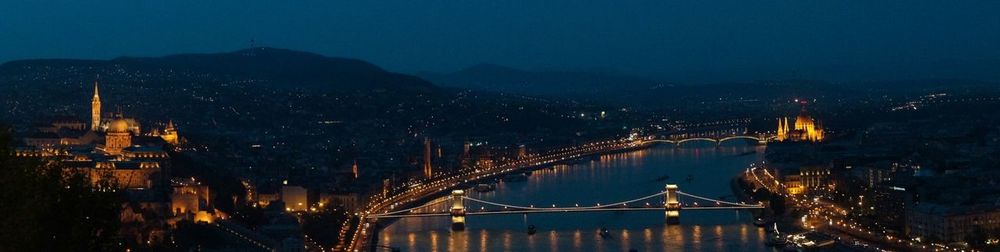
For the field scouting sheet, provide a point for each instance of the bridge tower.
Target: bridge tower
(672, 204)
(458, 210)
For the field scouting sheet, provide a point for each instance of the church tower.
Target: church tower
(787, 128)
(95, 110)
(781, 131)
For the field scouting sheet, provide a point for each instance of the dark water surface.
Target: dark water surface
(612, 178)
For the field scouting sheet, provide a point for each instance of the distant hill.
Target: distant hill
(616, 88)
(630, 90)
(264, 93)
(489, 77)
(278, 66)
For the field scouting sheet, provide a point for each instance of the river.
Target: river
(611, 178)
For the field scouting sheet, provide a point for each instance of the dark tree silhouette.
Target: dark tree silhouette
(43, 209)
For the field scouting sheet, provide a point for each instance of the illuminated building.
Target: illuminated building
(485, 160)
(170, 133)
(95, 110)
(111, 149)
(950, 223)
(190, 201)
(814, 176)
(466, 154)
(891, 202)
(354, 169)
(782, 129)
(428, 168)
(805, 128)
(295, 198)
(117, 137)
(63, 123)
(349, 200)
(112, 153)
(793, 184)
(386, 186)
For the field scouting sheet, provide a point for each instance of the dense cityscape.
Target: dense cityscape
(757, 145)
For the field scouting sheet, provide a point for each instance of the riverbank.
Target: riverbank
(380, 224)
(590, 181)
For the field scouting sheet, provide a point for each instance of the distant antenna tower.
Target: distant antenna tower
(253, 48)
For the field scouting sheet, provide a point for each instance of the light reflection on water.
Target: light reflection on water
(610, 178)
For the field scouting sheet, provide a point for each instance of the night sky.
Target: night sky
(667, 39)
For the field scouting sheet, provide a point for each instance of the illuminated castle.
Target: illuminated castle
(112, 147)
(114, 153)
(806, 128)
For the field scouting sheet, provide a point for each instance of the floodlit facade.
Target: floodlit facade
(113, 148)
(805, 128)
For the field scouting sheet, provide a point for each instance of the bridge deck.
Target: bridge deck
(520, 211)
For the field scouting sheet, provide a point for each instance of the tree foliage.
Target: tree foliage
(43, 209)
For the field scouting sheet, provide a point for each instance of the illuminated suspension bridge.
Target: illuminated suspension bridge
(671, 201)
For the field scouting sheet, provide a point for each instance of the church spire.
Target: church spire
(95, 109)
(97, 95)
(782, 130)
(787, 128)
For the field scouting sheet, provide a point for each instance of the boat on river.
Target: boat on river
(605, 233)
(776, 240)
(761, 221)
(792, 248)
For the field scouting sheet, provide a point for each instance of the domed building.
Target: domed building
(806, 128)
(115, 153)
(117, 137)
(113, 146)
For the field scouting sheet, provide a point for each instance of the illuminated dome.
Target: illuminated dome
(118, 126)
(803, 118)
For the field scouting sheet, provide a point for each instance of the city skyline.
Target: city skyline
(500, 126)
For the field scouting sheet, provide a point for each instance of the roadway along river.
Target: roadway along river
(612, 178)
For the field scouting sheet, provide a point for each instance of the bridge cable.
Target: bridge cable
(564, 208)
(714, 200)
(435, 202)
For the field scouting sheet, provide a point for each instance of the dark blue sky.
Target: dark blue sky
(675, 40)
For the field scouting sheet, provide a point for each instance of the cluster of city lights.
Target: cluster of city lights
(383, 202)
(836, 217)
